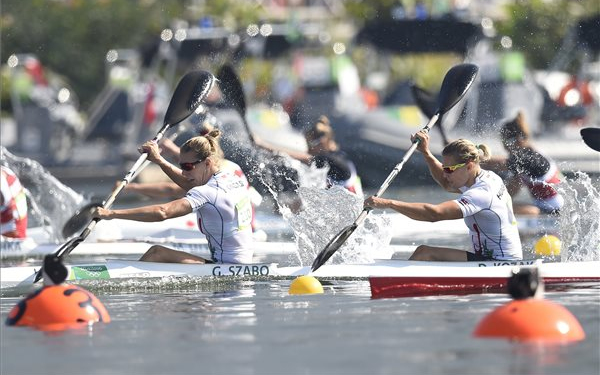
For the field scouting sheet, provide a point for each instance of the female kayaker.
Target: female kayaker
(323, 150)
(219, 198)
(527, 167)
(484, 204)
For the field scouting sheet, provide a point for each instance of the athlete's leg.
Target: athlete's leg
(432, 253)
(163, 254)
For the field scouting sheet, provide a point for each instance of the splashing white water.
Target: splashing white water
(51, 202)
(580, 219)
(325, 213)
(316, 214)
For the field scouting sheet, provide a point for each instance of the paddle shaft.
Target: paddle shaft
(250, 135)
(398, 167)
(339, 240)
(140, 164)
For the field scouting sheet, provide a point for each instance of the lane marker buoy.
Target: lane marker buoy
(57, 306)
(529, 317)
(306, 285)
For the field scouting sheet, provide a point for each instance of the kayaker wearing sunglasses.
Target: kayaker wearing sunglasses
(484, 204)
(219, 198)
(323, 150)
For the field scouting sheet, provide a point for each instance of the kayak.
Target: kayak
(181, 234)
(380, 273)
(173, 239)
(481, 279)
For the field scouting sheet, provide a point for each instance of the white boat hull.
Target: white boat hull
(127, 269)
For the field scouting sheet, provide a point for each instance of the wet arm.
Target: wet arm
(157, 212)
(435, 168)
(496, 164)
(157, 190)
(420, 211)
(174, 174)
(298, 155)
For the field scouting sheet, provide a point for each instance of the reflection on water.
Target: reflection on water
(257, 328)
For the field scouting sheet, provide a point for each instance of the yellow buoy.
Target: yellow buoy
(548, 245)
(306, 285)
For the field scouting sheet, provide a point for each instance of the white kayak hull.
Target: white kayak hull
(182, 234)
(127, 269)
(263, 251)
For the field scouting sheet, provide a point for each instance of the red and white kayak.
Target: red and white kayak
(477, 277)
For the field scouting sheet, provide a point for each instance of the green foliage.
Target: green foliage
(73, 37)
(537, 27)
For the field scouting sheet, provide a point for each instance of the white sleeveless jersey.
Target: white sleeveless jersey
(224, 214)
(487, 210)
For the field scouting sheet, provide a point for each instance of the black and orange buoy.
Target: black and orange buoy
(57, 306)
(529, 317)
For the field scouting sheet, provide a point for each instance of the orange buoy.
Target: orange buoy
(58, 307)
(531, 320)
(530, 317)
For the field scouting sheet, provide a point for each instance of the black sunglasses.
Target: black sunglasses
(189, 166)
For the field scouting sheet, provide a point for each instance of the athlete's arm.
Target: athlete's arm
(418, 211)
(157, 212)
(157, 189)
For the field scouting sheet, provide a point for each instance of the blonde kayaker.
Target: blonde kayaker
(219, 198)
(484, 204)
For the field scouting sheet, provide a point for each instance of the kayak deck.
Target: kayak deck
(383, 275)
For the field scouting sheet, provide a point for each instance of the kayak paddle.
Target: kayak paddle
(456, 83)
(591, 137)
(233, 91)
(426, 102)
(188, 96)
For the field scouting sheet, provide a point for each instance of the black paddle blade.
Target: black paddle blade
(80, 220)
(189, 94)
(332, 247)
(426, 101)
(591, 137)
(232, 88)
(54, 270)
(58, 254)
(456, 83)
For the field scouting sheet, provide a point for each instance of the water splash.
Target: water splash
(51, 202)
(325, 213)
(580, 222)
(316, 214)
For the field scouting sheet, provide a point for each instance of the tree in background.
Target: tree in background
(73, 37)
(537, 27)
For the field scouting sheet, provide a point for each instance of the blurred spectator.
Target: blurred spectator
(421, 11)
(398, 11)
(13, 205)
